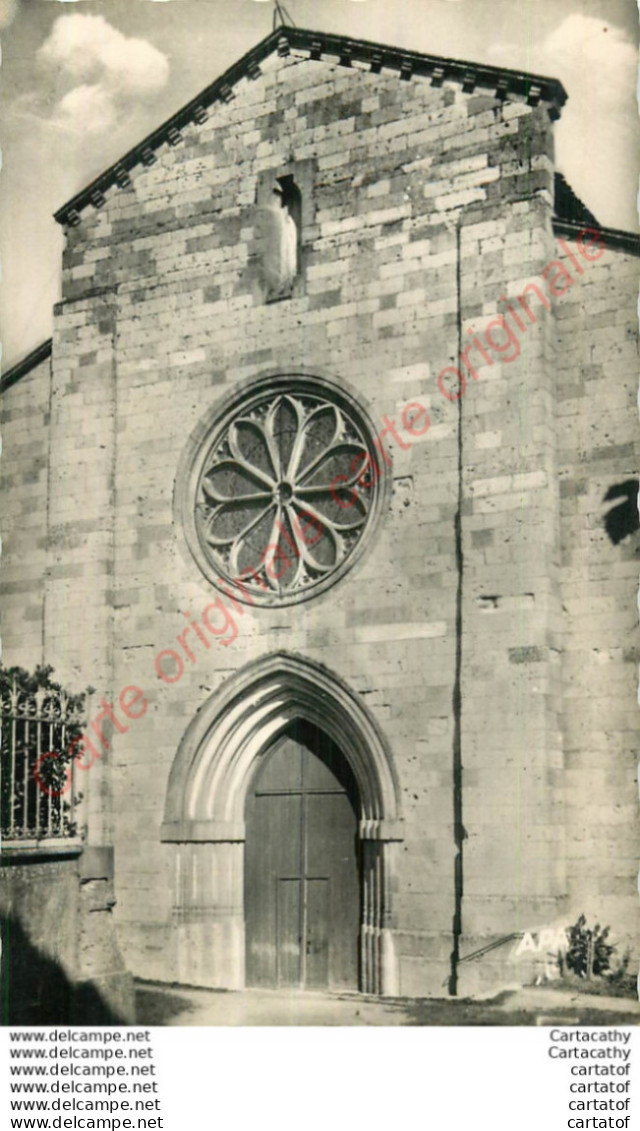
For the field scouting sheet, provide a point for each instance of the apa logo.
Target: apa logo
(552, 940)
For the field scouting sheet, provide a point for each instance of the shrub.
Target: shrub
(37, 716)
(588, 953)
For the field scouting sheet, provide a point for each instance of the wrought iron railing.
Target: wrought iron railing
(38, 795)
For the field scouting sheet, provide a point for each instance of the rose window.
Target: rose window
(284, 492)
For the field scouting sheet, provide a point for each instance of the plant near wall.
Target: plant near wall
(588, 954)
(39, 721)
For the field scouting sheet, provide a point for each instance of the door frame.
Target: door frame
(205, 806)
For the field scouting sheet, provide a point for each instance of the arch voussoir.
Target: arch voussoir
(208, 787)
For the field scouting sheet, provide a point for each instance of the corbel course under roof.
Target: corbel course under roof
(319, 45)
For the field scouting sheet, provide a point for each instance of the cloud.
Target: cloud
(597, 136)
(29, 107)
(86, 46)
(90, 105)
(109, 70)
(583, 45)
(570, 51)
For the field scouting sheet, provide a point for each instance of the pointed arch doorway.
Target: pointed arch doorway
(230, 760)
(302, 865)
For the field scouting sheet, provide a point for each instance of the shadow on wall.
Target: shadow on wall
(36, 991)
(622, 519)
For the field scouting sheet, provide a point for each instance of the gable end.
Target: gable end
(318, 45)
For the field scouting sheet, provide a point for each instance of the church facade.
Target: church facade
(326, 484)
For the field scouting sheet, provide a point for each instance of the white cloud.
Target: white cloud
(597, 136)
(109, 68)
(86, 46)
(583, 47)
(28, 107)
(579, 44)
(89, 105)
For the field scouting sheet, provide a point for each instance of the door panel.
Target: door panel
(282, 767)
(288, 931)
(317, 934)
(331, 840)
(302, 887)
(275, 823)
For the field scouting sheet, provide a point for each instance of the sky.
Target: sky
(84, 80)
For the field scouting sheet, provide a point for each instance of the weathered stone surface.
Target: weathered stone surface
(60, 960)
(162, 314)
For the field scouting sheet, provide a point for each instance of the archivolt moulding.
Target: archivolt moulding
(219, 752)
(204, 815)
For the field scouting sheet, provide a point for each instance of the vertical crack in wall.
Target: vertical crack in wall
(458, 829)
(49, 490)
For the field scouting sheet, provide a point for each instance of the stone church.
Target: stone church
(326, 485)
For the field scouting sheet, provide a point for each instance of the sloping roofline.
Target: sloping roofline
(35, 357)
(502, 80)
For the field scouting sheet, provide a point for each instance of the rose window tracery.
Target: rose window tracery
(283, 493)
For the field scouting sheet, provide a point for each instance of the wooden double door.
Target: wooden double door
(302, 887)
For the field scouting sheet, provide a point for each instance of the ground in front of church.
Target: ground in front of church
(534, 1005)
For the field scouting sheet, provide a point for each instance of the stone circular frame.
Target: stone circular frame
(280, 488)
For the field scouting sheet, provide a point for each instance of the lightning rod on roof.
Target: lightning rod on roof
(281, 13)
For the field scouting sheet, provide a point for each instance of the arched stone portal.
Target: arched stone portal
(206, 803)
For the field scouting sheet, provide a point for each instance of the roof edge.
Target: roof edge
(40, 353)
(613, 237)
(504, 81)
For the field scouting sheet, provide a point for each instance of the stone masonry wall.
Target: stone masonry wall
(60, 961)
(394, 168)
(512, 804)
(24, 467)
(427, 205)
(598, 461)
